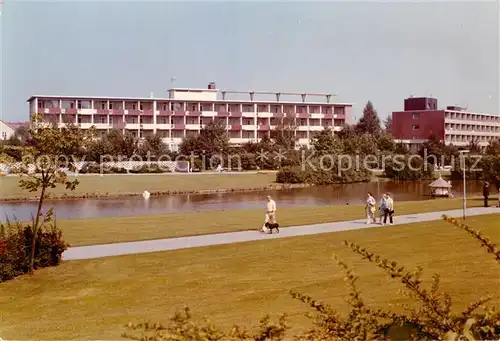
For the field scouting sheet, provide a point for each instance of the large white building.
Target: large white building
(186, 111)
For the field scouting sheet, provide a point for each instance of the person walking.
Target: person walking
(486, 193)
(270, 212)
(370, 209)
(497, 185)
(389, 209)
(381, 208)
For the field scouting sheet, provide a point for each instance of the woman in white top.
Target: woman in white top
(370, 209)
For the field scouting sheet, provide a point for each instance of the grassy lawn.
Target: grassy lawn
(123, 229)
(123, 184)
(238, 284)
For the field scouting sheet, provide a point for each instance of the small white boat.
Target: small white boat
(146, 194)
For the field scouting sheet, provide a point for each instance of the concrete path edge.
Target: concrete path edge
(156, 245)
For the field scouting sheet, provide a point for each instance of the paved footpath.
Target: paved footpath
(106, 250)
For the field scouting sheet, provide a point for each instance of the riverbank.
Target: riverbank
(94, 299)
(122, 185)
(115, 186)
(92, 231)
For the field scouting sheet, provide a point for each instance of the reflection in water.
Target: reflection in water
(339, 194)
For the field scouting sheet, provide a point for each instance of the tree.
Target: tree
(211, 141)
(283, 134)
(124, 144)
(433, 150)
(22, 133)
(369, 123)
(114, 143)
(386, 143)
(153, 145)
(347, 131)
(401, 149)
(474, 147)
(450, 153)
(49, 149)
(493, 148)
(388, 124)
(325, 142)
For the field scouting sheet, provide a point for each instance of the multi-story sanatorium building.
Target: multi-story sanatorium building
(453, 125)
(186, 111)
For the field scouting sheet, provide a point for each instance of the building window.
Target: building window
(339, 111)
(141, 107)
(416, 116)
(110, 105)
(4, 135)
(415, 127)
(103, 105)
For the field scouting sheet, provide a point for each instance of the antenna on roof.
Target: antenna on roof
(151, 95)
(172, 80)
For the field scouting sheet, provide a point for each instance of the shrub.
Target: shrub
(91, 168)
(409, 168)
(248, 161)
(291, 175)
(324, 172)
(15, 247)
(152, 168)
(118, 170)
(5, 158)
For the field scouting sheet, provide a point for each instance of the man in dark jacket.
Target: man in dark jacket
(486, 193)
(497, 185)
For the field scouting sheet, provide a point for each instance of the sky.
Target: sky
(361, 51)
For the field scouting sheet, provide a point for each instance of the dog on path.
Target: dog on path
(273, 226)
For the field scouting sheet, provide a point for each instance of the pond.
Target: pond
(137, 205)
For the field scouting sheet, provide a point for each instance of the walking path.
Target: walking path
(106, 250)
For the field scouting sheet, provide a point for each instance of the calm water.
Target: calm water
(341, 194)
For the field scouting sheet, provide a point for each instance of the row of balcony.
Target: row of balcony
(191, 127)
(470, 138)
(114, 112)
(473, 128)
(458, 116)
(199, 121)
(151, 105)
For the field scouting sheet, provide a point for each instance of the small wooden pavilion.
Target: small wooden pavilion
(440, 188)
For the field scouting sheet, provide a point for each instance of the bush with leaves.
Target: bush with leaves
(406, 167)
(325, 171)
(432, 319)
(16, 242)
(152, 168)
(182, 327)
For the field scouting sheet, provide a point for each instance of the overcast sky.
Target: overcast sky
(381, 52)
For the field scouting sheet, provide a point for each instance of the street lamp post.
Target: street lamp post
(462, 154)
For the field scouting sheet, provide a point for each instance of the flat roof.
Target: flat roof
(166, 99)
(449, 110)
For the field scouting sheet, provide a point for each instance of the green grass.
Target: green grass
(126, 184)
(124, 229)
(240, 283)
